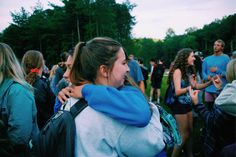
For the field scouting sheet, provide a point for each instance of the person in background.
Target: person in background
(52, 72)
(66, 81)
(152, 63)
(18, 112)
(33, 64)
(136, 72)
(59, 72)
(144, 72)
(45, 73)
(219, 136)
(214, 65)
(183, 77)
(198, 71)
(156, 80)
(233, 56)
(109, 74)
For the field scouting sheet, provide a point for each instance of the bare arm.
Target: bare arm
(177, 76)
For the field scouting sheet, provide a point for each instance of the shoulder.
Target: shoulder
(226, 57)
(19, 90)
(207, 58)
(97, 122)
(177, 72)
(93, 116)
(133, 63)
(17, 87)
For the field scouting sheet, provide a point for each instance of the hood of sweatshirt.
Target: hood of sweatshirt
(226, 101)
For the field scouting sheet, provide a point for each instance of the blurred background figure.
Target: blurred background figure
(214, 65)
(233, 56)
(156, 79)
(59, 72)
(33, 64)
(136, 72)
(144, 72)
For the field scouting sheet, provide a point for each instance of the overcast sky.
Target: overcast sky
(153, 17)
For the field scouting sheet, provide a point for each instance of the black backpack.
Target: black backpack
(57, 137)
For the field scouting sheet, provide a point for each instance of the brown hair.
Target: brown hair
(181, 62)
(89, 56)
(32, 59)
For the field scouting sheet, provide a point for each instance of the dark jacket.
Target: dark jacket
(220, 129)
(44, 99)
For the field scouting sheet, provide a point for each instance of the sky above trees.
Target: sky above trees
(153, 17)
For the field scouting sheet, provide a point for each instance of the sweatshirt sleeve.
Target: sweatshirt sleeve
(211, 118)
(127, 105)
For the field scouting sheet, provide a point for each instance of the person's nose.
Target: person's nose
(127, 68)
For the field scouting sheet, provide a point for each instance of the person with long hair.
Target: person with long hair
(33, 64)
(102, 62)
(18, 110)
(182, 76)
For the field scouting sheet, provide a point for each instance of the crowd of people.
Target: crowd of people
(119, 120)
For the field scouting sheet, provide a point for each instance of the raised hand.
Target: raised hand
(217, 82)
(194, 96)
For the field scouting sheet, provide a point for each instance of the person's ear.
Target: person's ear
(103, 70)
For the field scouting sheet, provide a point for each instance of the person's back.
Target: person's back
(144, 72)
(136, 74)
(135, 71)
(18, 110)
(158, 72)
(111, 137)
(44, 99)
(20, 121)
(33, 64)
(99, 135)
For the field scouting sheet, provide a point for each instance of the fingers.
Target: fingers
(77, 91)
(64, 94)
(194, 95)
(217, 81)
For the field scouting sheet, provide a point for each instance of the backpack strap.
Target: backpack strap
(78, 107)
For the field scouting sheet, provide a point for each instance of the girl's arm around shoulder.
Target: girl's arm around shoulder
(127, 104)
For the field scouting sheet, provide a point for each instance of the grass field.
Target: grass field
(197, 122)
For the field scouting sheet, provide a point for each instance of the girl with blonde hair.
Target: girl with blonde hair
(18, 110)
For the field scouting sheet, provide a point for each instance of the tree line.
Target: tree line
(55, 30)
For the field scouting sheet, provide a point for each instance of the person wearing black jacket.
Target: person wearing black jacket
(33, 63)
